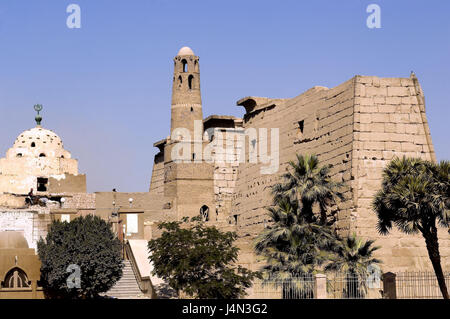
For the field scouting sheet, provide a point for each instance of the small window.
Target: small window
(204, 212)
(62, 156)
(192, 109)
(301, 126)
(190, 81)
(300, 129)
(33, 144)
(42, 155)
(19, 155)
(185, 65)
(42, 184)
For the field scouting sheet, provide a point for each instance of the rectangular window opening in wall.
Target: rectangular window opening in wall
(42, 184)
(235, 219)
(301, 126)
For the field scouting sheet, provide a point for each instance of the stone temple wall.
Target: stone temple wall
(389, 121)
(319, 121)
(357, 127)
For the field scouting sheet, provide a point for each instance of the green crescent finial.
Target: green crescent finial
(38, 118)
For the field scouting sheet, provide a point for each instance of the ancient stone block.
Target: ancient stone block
(397, 91)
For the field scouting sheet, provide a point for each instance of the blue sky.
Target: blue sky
(106, 87)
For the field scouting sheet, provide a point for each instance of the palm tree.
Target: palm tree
(309, 184)
(298, 243)
(293, 248)
(415, 198)
(354, 257)
(292, 245)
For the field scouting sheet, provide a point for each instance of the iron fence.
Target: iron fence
(419, 285)
(300, 287)
(347, 286)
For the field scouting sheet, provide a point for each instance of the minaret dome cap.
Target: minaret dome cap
(185, 51)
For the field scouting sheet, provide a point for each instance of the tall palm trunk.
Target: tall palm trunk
(431, 240)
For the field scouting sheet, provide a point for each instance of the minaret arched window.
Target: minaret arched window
(33, 144)
(16, 278)
(185, 65)
(190, 81)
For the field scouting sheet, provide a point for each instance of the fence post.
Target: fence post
(320, 287)
(389, 286)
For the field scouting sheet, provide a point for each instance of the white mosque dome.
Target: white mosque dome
(185, 51)
(38, 142)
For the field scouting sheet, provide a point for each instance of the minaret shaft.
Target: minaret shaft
(186, 95)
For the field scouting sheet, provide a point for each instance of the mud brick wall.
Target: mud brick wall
(157, 181)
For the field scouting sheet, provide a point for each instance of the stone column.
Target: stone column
(320, 289)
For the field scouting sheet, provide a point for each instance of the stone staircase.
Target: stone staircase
(127, 287)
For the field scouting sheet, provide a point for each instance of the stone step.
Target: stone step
(127, 287)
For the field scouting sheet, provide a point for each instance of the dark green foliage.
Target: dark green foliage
(414, 197)
(292, 245)
(298, 242)
(197, 260)
(87, 242)
(352, 257)
(309, 184)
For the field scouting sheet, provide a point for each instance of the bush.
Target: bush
(87, 242)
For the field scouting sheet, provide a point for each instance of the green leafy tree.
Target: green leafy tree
(88, 243)
(414, 197)
(354, 257)
(309, 183)
(197, 260)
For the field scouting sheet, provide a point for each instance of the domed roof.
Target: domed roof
(185, 51)
(39, 134)
(38, 142)
(12, 240)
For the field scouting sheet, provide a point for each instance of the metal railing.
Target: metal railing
(301, 287)
(144, 283)
(419, 285)
(347, 286)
